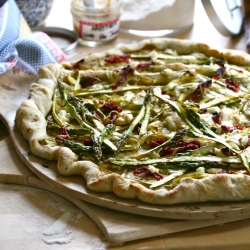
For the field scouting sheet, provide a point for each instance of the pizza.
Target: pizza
(165, 121)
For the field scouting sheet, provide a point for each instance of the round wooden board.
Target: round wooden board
(14, 88)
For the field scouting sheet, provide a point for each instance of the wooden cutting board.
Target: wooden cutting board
(118, 227)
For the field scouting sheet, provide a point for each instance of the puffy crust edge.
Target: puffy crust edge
(182, 46)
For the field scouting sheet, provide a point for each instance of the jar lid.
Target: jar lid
(66, 40)
(96, 8)
(226, 15)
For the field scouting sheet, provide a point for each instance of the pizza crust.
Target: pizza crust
(30, 119)
(30, 116)
(182, 46)
(187, 47)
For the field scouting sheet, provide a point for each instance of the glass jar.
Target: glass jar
(153, 18)
(96, 22)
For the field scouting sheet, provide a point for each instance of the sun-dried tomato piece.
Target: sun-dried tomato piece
(227, 151)
(65, 137)
(114, 86)
(219, 73)
(172, 98)
(199, 91)
(63, 133)
(227, 128)
(223, 171)
(156, 143)
(138, 126)
(182, 146)
(96, 115)
(166, 151)
(232, 84)
(118, 59)
(187, 147)
(144, 65)
(113, 119)
(63, 130)
(203, 111)
(217, 117)
(144, 171)
(182, 143)
(157, 176)
(110, 106)
(238, 70)
(74, 65)
(141, 170)
(123, 76)
(87, 142)
(87, 81)
(113, 116)
(231, 128)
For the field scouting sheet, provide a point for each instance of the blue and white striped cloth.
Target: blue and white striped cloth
(19, 47)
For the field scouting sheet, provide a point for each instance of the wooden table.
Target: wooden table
(31, 217)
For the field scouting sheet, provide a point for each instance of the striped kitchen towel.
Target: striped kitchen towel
(19, 47)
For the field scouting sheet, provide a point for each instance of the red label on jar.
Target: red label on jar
(99, 31)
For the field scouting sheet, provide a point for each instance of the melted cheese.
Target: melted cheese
(139, 98)
(152, 169)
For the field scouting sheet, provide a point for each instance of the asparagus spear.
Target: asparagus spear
(186, 59)
(126, 134)
(225, 100)
(76, 102)
(71, 131)
(77, 148)
(96, 147)
(109, 91)
(106, 132)
(70, 107)
(54, 114)
(146, 118)
(89, 117)
(179, 161)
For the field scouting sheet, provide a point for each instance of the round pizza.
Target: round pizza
(165, 121)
